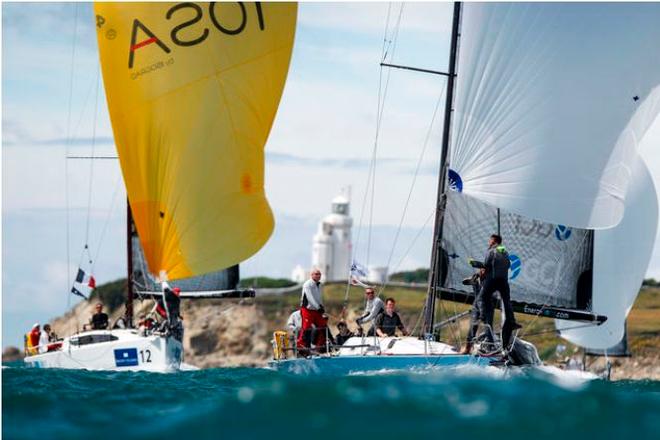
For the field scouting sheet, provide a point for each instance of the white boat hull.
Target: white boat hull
(121, 350)
(371, 354)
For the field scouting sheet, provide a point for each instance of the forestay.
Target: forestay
(192, 91)
(545, 102)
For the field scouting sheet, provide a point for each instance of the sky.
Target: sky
(323, 134)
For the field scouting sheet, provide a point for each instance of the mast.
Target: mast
(129, 265)
(441, 202)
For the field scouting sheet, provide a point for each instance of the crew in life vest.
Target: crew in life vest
(32, 340)
(171, 314)
(313, 314)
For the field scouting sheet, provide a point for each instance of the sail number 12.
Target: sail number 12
(145, 355)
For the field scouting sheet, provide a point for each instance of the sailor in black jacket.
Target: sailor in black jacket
(496, 278)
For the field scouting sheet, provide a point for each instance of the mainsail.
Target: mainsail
(546, 99)
(551, 265)
(192, 91)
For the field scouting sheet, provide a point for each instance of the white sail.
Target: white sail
(621, 258)
(550, 100)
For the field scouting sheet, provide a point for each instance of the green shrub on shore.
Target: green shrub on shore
(420, 275)
(266, 283)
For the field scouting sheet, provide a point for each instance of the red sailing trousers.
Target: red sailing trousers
(310, 318)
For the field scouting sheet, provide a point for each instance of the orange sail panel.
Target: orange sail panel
(192, 90)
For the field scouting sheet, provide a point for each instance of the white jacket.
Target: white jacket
(43, 342)
(312, 291)
(372, 309)
(294, 323)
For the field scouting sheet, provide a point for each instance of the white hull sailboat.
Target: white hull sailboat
(538, 143)
(374, 354)
(190, 118)
(113, 350)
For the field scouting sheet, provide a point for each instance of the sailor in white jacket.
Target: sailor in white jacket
(294, 323)
(373, 308)
(44, 339)
(313, 313)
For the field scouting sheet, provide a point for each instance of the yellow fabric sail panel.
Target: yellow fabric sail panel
(192, 90)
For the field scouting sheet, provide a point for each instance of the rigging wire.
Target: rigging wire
(86, 251)
(379, 120)
(91, 162)
(107, 221)
(66, 162)
(382, 96)
(414, 181)
(83, 112)
(371, 162)
(414, 240)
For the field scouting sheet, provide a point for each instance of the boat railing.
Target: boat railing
(286, 342)
(36, 349)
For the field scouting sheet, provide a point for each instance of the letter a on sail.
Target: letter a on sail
(192, 90)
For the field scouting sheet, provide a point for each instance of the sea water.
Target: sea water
(246, 403)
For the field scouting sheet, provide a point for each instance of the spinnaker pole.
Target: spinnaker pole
(437, 256)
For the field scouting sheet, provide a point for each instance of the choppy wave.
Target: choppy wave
(248, 403)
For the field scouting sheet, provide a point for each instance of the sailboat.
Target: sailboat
(545, 106)
(192, 92)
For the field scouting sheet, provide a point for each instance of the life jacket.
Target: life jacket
(497, 263)
(32, 342)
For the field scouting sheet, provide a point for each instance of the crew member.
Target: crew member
(496, 278)
(388, 321)
(476, 312)
(99, 320)
(169, 307)
(294, 323)
(145, 325)
(172, 304)
(44, 339)
(32, 340)
(372, 309)
(344, 333)
(313, 314)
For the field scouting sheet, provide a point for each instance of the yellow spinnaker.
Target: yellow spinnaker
(192, 90)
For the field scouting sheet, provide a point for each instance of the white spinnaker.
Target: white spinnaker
(621, 258)
(546, 96)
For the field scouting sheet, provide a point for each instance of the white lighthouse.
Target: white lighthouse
(331, 249)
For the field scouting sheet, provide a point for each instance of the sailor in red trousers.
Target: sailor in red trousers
(312, 312)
